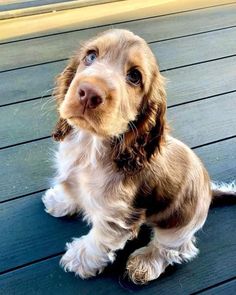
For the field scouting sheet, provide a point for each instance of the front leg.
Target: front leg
(61, 200)
(90, 254)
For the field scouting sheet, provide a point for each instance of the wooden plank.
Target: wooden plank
(216, 242)
(170, 54)
(226, 288)
(97, 16)
(26, 121)
(26, 8)
(203, 80)
(15, 84)
(28, 83)
(28, 233)
(219, 159)
(25, 169)
(12, 5)
(195, 49)
(202, 122)
(60, 46)
(189, 122)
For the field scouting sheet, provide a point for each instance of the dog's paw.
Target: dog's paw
(57, 203)
(83, 259)
(142, 267)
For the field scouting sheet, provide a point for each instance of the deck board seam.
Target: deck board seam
(168, 107)
(117, 23)
(214, 286)
(199, 99)
(213, 142)
(34, 65)
(24, 142)
(193, 148)
(62, 252)
(198, 63)
(23, 196)
(150, 42)
(25, 100)
(12, 269)
(193, 34)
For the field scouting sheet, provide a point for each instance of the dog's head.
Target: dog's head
(112, 87)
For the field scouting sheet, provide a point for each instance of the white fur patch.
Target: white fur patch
(224, 187)
(85, 258)
(57, 203)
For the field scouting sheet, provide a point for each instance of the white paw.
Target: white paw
(57, 203)
(83, 258)
(144, 266)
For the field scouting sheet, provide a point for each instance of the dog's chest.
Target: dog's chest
(84, 163)
(92, 186)
(102, 194)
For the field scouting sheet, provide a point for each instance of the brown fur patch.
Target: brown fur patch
(61, 130)
(136, 148)
(179, 216)
(63, 80)
(153, 203)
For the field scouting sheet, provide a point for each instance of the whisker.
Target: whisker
(48, 90)
(135, 129)
(48, 101)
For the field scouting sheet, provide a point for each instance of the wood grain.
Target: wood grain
(36, 119)
(98, 15)
(28, 233)
(203, 80)
(26, 121)
(215, 241)
(170, 54)
(54, 47)
(195, 49)
(24, 84)
(228, 288)
(219, 159)
(204, 121)
(27, 168)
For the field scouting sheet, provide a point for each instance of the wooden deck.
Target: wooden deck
(196, 50)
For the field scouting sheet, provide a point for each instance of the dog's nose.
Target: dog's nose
(89, 96)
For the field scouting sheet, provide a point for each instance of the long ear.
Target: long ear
(145, 136)
(63, 81)
(61, 130)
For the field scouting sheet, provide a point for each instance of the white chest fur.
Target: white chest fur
(97, 188)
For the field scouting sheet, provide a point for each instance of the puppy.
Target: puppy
(118, 165)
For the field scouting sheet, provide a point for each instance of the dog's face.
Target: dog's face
(113, 74)
(113, 87)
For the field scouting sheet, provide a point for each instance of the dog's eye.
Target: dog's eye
(90, 57)
(134, 77)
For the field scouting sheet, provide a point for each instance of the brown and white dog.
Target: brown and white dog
(117, 163)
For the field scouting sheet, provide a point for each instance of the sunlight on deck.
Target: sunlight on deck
(96, 15)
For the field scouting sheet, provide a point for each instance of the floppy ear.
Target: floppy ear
(134, 150)
(63, 81)
(61, 129)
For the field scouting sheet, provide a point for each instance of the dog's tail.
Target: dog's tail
(223, 194)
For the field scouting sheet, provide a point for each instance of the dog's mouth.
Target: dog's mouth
(78, 118)
(82, 121)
